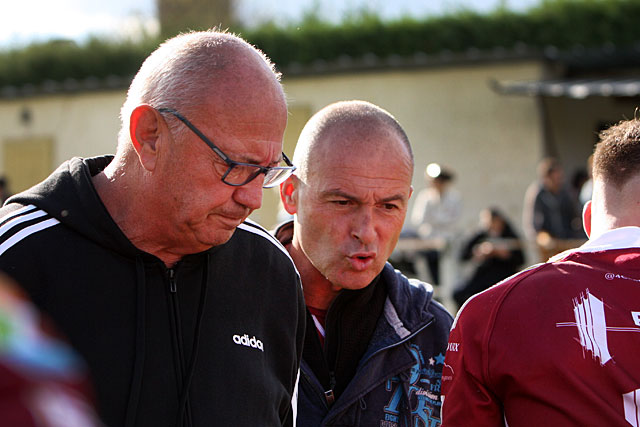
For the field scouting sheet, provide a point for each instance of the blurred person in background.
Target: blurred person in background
(557, 344)
(435, 215)
(495, 252)
(578, 180)
(375, 341)
(587, 186)
(186, 313)
(550, 215)
(43, 382)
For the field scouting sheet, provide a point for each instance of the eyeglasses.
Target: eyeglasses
(240, 173)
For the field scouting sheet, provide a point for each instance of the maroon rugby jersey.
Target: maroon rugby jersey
(555, 345)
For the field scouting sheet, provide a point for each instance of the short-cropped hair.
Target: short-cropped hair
(617, 156)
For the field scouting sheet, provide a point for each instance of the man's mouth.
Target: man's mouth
(361, 262)
(230, 221)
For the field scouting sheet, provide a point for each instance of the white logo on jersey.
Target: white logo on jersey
(248, 342)
(636, 317)
(592, 326)
(631, 402)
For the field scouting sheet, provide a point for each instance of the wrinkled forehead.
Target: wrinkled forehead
(247, 90)
(368, 151)
(235, 113)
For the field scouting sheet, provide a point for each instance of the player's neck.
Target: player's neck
(318, 291)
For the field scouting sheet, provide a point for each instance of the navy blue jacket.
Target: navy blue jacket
(397, 382)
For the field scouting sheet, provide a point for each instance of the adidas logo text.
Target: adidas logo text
(248, 342)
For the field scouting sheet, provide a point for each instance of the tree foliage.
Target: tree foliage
(560, 23)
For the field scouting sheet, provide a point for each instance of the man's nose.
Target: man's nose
(250, 194)
(363, 226)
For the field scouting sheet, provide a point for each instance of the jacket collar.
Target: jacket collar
(407, 307)
(406, 312)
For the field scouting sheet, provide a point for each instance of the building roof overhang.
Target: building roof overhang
(571, 88)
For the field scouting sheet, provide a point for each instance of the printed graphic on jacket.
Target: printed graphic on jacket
(421, 395)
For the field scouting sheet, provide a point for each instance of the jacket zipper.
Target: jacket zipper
(307, 376)
(173, 285)
(175, 320)
(329, 394)
(405, 339)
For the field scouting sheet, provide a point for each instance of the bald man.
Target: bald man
(558, 344)
(186, 313)
(375, 341)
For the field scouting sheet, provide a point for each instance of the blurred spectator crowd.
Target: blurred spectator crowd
(461, 263)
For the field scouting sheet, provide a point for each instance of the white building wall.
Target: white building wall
(451, 116)
(83, 124)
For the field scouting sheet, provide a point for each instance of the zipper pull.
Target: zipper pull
(173, 286)
(329, 395)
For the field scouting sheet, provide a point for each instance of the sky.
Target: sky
(26, 21)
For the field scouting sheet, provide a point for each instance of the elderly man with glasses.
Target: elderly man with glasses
(186, 313)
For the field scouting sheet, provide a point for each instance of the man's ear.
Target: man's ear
(586, 218)
(289, 194)
(144, 128)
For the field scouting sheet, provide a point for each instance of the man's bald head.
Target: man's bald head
(350, 127)
(205, 66)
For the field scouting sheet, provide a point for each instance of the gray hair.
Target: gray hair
(173, 75)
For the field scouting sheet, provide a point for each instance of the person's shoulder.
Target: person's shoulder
(538, 285)
(486, 304)
(9, 210)
(409, 288)
(283, 232)
(532, 191)
(414, 295)
(20, 221)
(254, 231)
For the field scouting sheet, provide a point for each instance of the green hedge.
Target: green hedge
(59, 60)
(561, 23)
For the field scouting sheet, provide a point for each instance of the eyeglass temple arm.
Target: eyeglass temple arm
(205, 139)
(286, 159)
(197, 132)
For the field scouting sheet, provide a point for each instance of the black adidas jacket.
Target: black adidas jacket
(214, 341)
